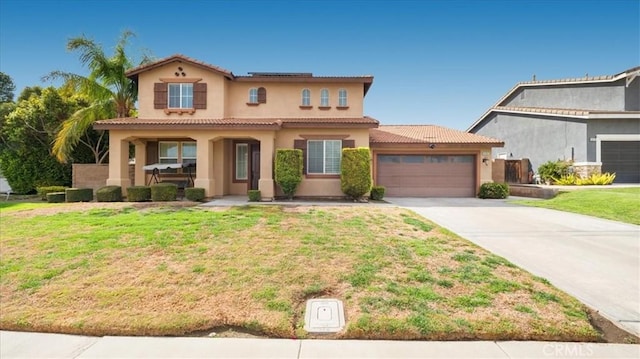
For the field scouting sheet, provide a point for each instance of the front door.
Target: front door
(254, 166)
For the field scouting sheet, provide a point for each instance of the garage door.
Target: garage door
(427, 176)
(622, 158)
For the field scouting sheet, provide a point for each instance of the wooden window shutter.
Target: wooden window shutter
(160, 96)
(152, 152)
(302, 145)
(348, 143)
(199, 95)
(262, 95)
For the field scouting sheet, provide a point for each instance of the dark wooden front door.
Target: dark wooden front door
(254, 166)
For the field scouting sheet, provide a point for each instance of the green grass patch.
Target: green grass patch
(171, 270)
(618, 204)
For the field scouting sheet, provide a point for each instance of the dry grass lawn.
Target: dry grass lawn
(172, 270)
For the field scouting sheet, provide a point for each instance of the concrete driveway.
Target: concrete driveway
(595, 260)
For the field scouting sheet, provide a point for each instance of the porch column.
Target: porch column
(141, 159)
(118, 162)
(266, 183)
(204, 167)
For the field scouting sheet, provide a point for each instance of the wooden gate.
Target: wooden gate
(513, 171)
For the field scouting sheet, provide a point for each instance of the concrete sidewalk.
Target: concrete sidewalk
(39, 345)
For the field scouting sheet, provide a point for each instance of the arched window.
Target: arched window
(306, 97)
(262, 95)
(342, 98)
(253, 95)
(324, 98)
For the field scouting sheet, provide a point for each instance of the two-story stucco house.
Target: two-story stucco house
(227, 127)
(590, 120)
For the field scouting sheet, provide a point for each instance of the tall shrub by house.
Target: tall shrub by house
(355, 172)
(288, 170)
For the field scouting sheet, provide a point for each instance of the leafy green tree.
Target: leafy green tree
(6, 88)
(26, 135)
(109, 93)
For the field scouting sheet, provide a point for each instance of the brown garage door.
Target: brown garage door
(427, 176)
(621, 157)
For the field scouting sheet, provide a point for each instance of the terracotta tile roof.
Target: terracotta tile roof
(629, 74)
(257, 123)
(405, 134)
(177, 57)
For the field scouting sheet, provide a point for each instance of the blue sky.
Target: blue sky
(433, 62)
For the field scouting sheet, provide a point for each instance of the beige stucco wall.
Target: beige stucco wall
(284, 100)
(227, 98)
(215, 90)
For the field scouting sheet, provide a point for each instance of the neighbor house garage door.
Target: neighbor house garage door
(621, 157)
(427, 176)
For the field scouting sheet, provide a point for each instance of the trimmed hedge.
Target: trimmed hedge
(254, 195)
(195, 194)
(494, 190)
(55, 197)
(551, 170)
(164, 192)
(288, 170)
(43, 191)
(377, 193)
(78, 195)
(139, 194)
(109, 194)
(355, 172)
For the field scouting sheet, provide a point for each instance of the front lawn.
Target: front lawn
(124, 269)
(618, 204)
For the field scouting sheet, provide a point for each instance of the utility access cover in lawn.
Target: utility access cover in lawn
(324, 316)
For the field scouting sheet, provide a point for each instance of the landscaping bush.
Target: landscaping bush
(551, 170)
(254, 195)
(109, 194)
(598, 179)
(78, 195)
(55, 197)
(195, 194)
(377, 193)
(355, 172)
(139, 194)
(566, 180)
(494, 190)
(43, 191)
(164, 192)
(288, 170)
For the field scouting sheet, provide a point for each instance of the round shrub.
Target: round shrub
(139, 194)
(377, 193)
(109, 194)
(55, 197)
(195, 194)
(79, 194)
(43, 191)
(164, 192)
(494, 190)
(254, 195)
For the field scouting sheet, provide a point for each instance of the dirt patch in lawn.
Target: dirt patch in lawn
(174, 269)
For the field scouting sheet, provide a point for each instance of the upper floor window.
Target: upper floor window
(342, 98)
(306, 97)
(253, 95)
(324, 98)
(181, 95)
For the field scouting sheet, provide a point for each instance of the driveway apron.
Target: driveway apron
(595, 260)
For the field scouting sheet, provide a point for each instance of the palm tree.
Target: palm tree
(108, 91)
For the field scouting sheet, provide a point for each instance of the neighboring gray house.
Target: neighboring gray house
(591, 119)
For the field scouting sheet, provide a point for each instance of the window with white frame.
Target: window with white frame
(242, 161)
(180, 95)
(324, 98)
(342, 98)
(253, 95)
(306, 97)
(323, 156)
(176, 152)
